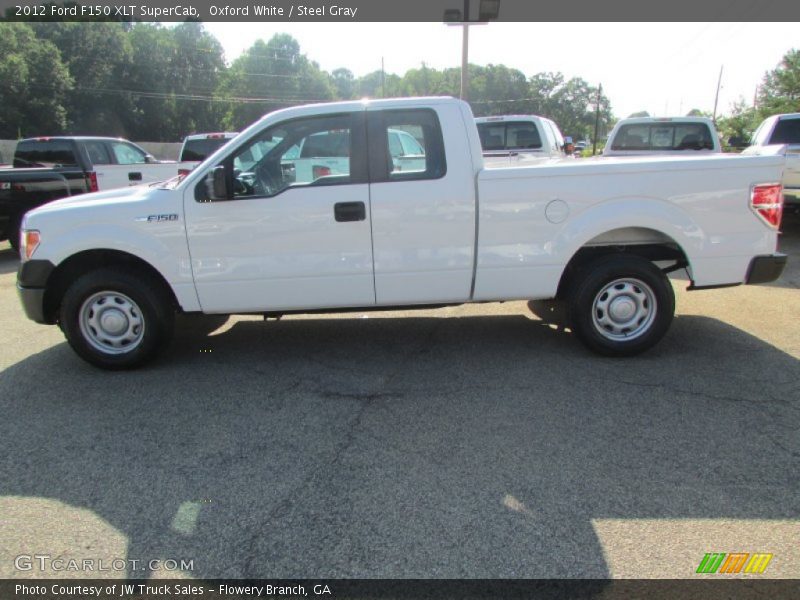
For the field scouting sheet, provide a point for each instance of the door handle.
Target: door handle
(134, 176)
(349, 211)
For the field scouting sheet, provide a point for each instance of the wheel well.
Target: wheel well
(647, 243)
(83, 262)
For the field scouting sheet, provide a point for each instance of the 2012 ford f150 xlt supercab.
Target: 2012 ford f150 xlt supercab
(237, 236)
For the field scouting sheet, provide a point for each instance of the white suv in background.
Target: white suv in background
(640, 136)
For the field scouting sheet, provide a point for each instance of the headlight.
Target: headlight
(28, 242)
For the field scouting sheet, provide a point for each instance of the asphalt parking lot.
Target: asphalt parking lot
(463, 442)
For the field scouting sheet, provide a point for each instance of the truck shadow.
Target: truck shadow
(387, 447)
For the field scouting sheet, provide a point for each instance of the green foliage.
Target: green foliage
(35, 83)
(272, 75)
(780, 91)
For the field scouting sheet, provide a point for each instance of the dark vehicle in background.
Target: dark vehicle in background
(199, 146)
(782, 130)
(49, 168)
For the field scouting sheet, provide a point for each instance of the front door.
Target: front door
(295, 233)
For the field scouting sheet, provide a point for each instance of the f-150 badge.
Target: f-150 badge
(158, 218)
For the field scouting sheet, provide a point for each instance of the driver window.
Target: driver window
(299, 153)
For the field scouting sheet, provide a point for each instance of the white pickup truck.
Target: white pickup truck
(641, 136)
(511, 140)
(113, 268)
(782, 130)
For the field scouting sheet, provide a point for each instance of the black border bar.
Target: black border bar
(402, 10)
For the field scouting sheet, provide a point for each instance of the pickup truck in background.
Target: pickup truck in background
(782, 130)
(113, 268)
(47, 168)
(509, 140)
(199, 146)
(639, 136)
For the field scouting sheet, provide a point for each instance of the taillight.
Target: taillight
(183, 172)
(320, 171)
(93, 187)
(28, 242)
(767, 202)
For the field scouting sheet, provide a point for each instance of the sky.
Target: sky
(666, 69)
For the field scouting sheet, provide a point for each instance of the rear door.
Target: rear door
(423, 211)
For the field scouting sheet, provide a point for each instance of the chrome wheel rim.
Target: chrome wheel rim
(624, 309)
(111, 322)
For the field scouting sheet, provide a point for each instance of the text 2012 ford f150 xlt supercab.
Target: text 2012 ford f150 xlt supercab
(237, 236)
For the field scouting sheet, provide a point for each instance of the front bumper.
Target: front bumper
(764, 269)
(31, 284)
(32, 303)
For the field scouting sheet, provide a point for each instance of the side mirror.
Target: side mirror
(150, 159)
(217, 184)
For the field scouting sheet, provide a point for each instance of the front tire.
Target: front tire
(117, 320)
(621, 305)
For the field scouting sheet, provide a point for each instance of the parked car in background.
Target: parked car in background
(782, 130)
(48, 168)
(662, 135)
(517, 139)
(199, 146)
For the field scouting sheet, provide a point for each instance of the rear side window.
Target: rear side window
(199, 150)
(787, 131)
(663, 136)
(414, 146)
(46, 153)
(98, 153)
(513, 135)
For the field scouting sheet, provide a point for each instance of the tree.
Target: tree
(96, 55)
(272, 75)
(737, 128)
(780, 90)
(35, 84)
(343, 82)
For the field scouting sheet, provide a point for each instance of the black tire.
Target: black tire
(625, 318)
(123, 299)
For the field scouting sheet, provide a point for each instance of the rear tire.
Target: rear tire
(117, 320)
(621, 305)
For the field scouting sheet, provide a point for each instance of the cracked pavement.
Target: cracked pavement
(471, 441)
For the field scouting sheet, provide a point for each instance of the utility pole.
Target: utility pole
(596, 119)
(383, 80)
(465, 54)
(716, 96)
